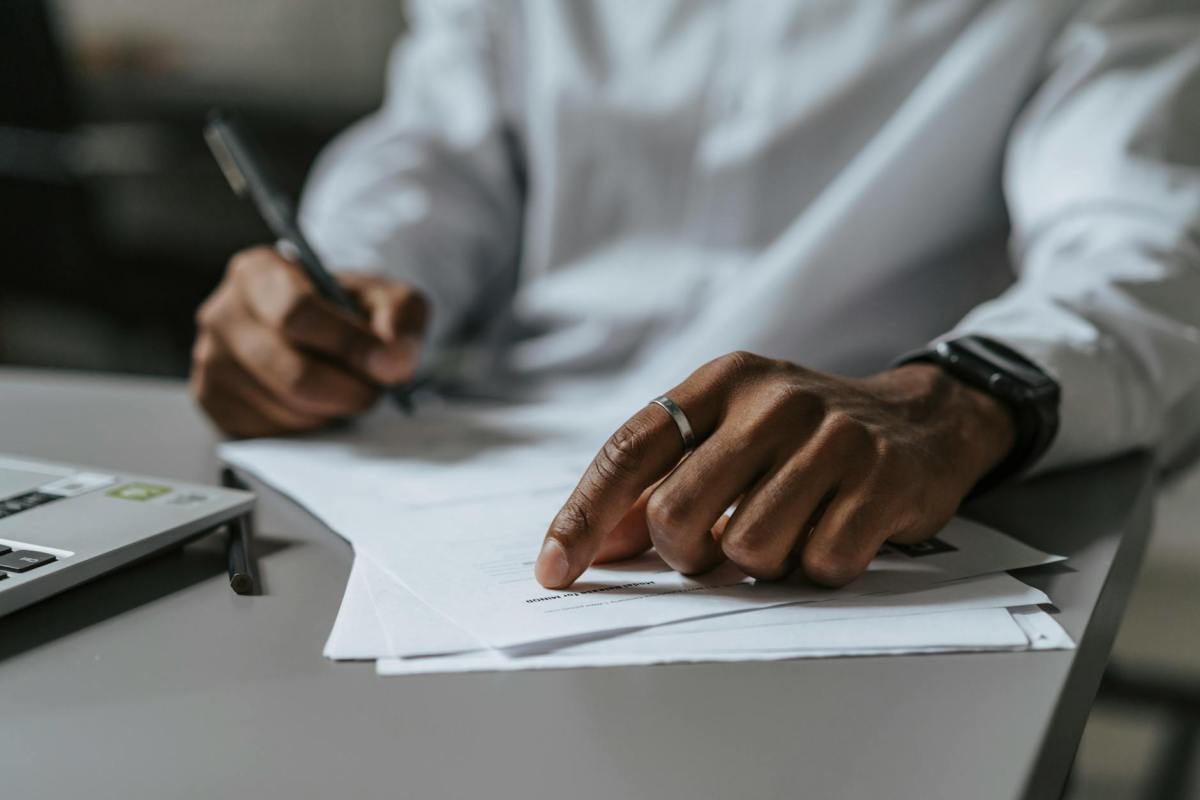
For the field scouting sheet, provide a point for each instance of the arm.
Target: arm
(425, 196)
(1103, 185)
(428, 190)
(823, 469)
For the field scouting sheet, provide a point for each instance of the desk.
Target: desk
(158, 682)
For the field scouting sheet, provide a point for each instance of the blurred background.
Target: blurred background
(116, 223)
(114, 218)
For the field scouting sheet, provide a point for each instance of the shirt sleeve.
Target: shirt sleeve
(428, 190)
(1102, 181)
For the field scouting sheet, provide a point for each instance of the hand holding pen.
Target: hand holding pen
(282, 346)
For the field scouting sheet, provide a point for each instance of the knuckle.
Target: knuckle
(845, 427)
(244, 261)
(751, 558)
(236, 265)
(742, 362)
(295, 374)
(886, 452)
(619, 456)
(828, 568)
(296, 310)
(786, 401)
(665, 513)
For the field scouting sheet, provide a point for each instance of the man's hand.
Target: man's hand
(271, 356)
(823, 469)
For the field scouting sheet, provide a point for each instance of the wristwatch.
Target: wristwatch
(1030, 395)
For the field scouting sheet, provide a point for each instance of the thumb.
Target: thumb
(396, 311)
(397, 314)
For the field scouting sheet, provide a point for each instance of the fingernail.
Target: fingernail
(552, 566)
(386, 365)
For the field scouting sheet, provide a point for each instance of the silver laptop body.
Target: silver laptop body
(63, 524)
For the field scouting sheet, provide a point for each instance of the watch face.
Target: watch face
(1009, 372)
(1003, 385)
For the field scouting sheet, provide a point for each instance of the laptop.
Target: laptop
(62, 524)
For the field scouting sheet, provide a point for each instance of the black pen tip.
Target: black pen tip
(241, 583)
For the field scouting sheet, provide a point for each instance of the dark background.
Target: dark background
(114, 219)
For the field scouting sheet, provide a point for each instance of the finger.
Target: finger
(641, 451)
(689, 502)
(232, 411)
(300, 381)
(630, 537)
(396, 310)
(766, 532)
(397, 314)
(235, 418)
(278, 294)
(845, 539)
(235, 400)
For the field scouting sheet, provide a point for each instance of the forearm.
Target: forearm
(1119, 330)
(426, 190)
(1103, 187)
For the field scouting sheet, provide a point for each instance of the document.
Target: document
(359, 633)
(473, 562)
(447, 454)
(409, 628)
(973, 630)
(453, 504)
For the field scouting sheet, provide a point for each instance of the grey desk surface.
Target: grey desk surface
(157, 682)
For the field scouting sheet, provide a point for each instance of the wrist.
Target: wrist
(977, 428)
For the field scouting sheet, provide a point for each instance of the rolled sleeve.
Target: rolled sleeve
(428, 189)
(1103, 187)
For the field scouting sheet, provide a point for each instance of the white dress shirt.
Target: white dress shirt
(604, 185)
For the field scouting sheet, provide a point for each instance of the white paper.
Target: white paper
(410, 628)
(454, 504)
(473, 562)
(1042, 629)
(445, 454)
(358, 632)
(952, 631)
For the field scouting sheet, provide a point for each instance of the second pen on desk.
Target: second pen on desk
(243, 168)
(239, 553)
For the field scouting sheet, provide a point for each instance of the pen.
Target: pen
(244, 170)
(240, 578)
(238, 554)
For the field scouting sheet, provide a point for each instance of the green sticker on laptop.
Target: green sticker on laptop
(138, 491)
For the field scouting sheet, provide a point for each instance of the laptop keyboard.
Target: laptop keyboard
(23, 560)
(24, 502)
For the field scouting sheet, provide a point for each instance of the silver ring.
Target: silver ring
(681, 421)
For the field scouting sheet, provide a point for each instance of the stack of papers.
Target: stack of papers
(446, 513)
